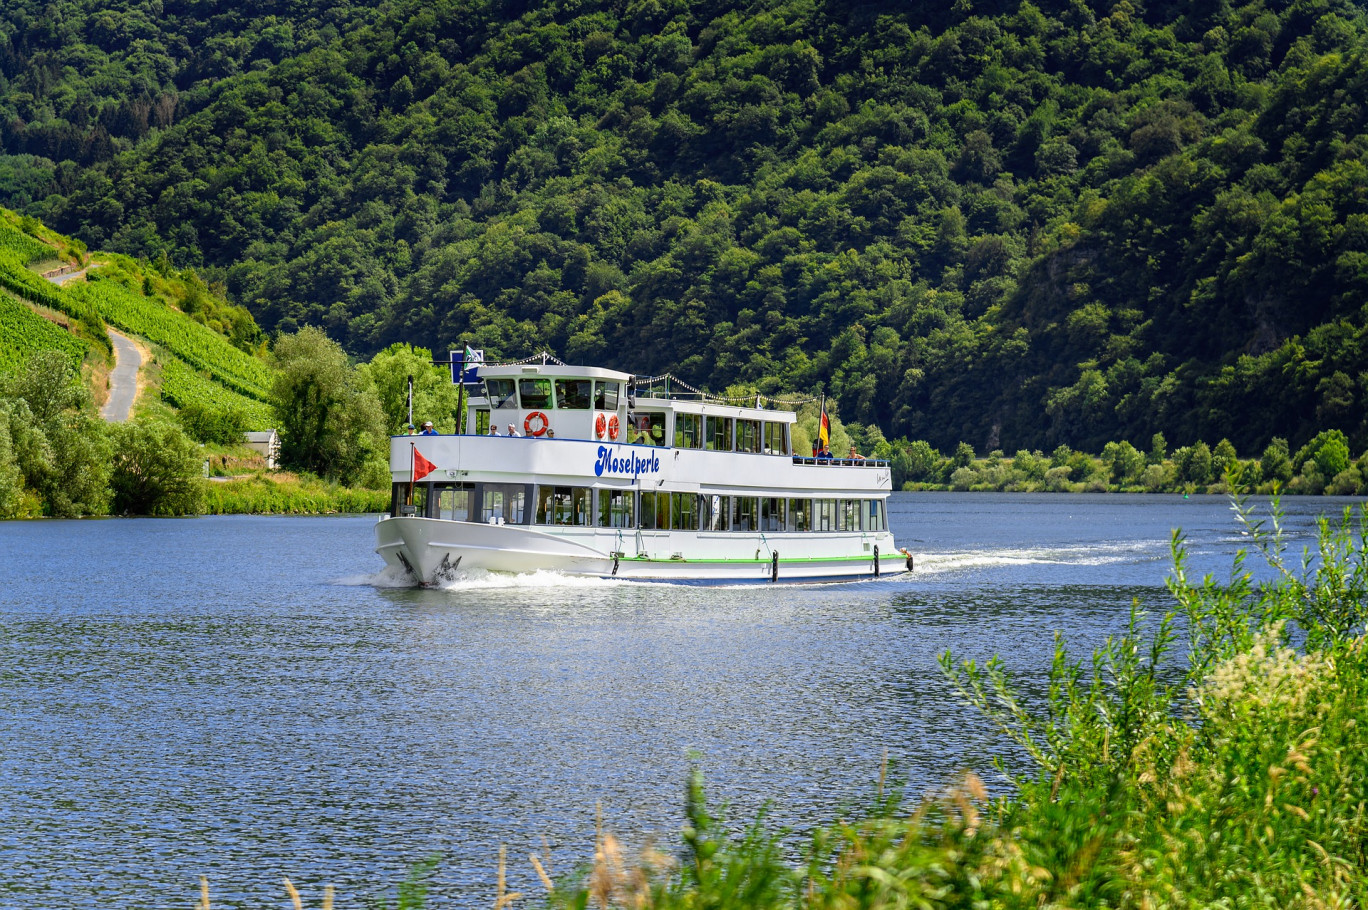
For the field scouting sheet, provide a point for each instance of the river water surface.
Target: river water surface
(246, 698)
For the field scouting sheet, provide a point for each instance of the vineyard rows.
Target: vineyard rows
(199, 346)
(183, 387)
(23, 333)
(29, 249)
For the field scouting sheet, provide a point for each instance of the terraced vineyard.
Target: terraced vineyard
(199, 346)
(23, 333)
(183, 387)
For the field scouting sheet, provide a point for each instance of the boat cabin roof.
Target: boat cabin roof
(550, 371)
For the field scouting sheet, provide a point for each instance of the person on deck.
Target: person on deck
(854, 455)
(493, 429)
(512, 430)
(427, 429)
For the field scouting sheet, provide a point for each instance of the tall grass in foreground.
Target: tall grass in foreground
(1225, 767)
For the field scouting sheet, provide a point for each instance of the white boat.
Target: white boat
(611, 478)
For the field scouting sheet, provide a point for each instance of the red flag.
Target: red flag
(421, 466)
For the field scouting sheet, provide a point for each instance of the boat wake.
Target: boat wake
(1100, 555)
(388, 577)
(480, 580)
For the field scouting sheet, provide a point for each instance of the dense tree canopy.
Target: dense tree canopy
(1017, 224)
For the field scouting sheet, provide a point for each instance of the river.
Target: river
(246, 698)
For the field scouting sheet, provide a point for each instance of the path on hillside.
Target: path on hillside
(123, 379)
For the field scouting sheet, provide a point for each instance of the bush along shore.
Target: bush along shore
(261, 494)
(1214, 756)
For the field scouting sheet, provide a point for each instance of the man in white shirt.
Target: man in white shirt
(512, 430)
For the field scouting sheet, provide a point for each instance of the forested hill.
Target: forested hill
(1012, 224)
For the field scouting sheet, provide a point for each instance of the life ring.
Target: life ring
(613, 427)
(541, 428)
(600, 425)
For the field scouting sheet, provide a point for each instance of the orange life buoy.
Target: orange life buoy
(541, 427)
(613, 427)
(600, 426)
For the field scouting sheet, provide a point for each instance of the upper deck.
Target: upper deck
(606, 428)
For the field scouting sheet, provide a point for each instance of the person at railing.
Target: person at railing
(854, 455)
(512, 430)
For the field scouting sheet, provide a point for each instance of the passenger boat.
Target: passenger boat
(614, 477)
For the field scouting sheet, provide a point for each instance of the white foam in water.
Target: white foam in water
(480, 580)
(1100, 555)
(388, 577)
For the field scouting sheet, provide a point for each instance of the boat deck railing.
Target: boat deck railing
(841, 462)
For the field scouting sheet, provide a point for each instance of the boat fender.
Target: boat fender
(542, 424)
(876, 560)
(774, 567)
(615, 565)
(903, 551)
(613, 427)
(600, 426)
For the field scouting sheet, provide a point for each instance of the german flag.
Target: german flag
(824, 427)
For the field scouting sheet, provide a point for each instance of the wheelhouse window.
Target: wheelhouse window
(776, 438)
(503, 503)
(535, 394)
(748, 436)
(606, 395)
(717, 433)
(688, 431)
(501, 393)
(615, 509)
(799, 516)
(482, 421)
(573, 394)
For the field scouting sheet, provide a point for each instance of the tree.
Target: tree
(59, 448)
(1276, 464)
(157, 470)
(434, 395)
(330, 421)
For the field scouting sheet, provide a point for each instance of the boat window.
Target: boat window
(847, 515)
(688, 431)
(799, 516)
(717, 433)
(684, 511)
(606, 395)
(655, 511)
(451, 501)
(776, 438)
(503, 503)
(562, 506)
(771, 513)
(573, 394)
(615, 509)
(409, 499)
(823, 514)
(482, 422)
(748, 436)
(744, 509)
(648, 430)
(535, 394)
(873, 515)
(500, 393)
(713, 512)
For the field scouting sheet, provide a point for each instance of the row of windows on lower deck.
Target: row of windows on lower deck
(503, 503)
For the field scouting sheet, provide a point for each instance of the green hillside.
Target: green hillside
(1012, 224)
(198, 367)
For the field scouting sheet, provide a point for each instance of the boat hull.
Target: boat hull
(438, 551)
